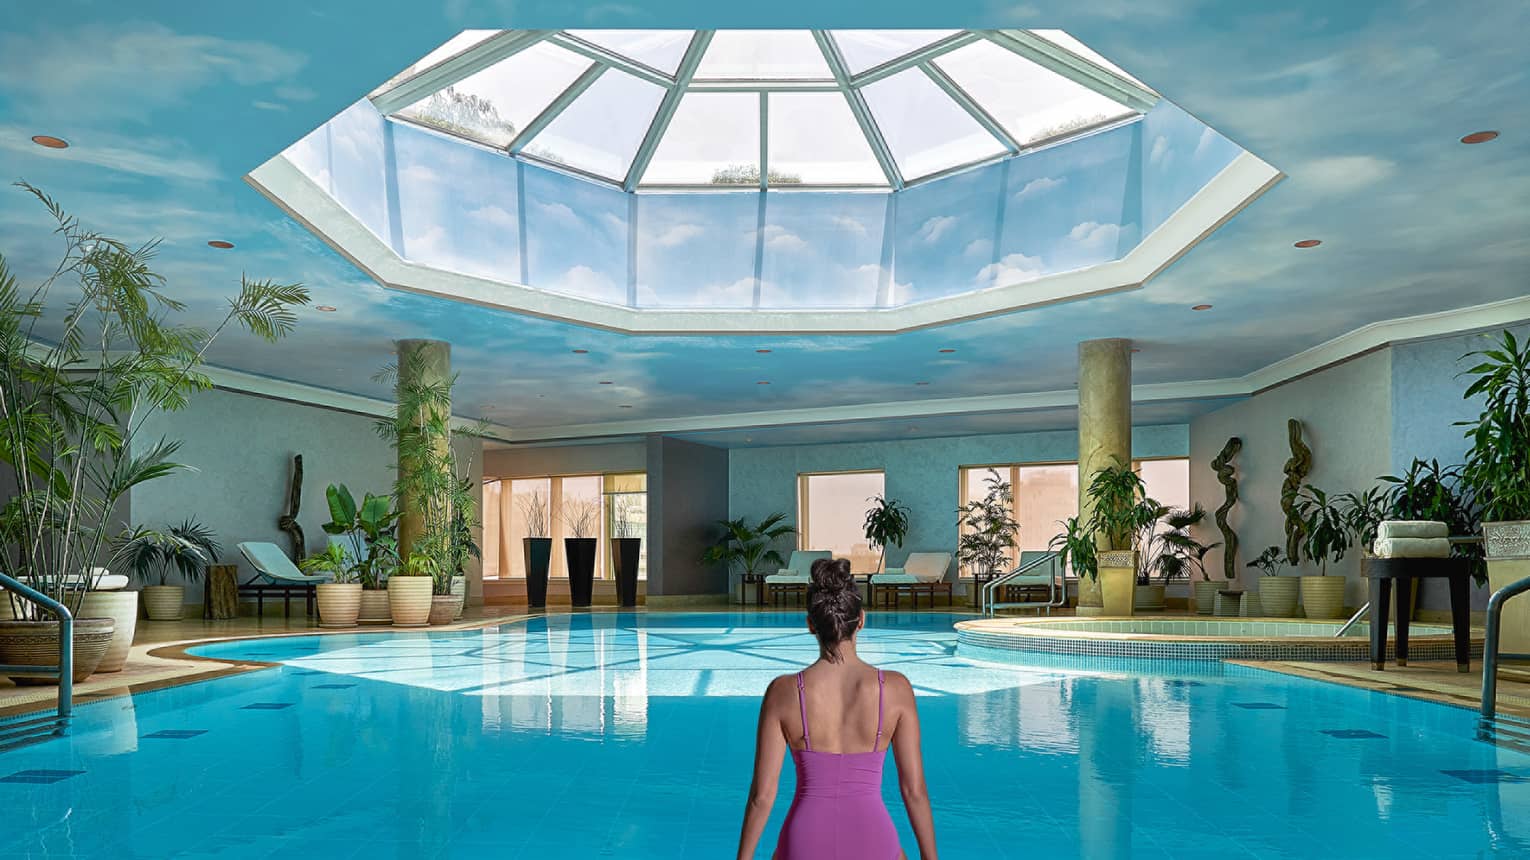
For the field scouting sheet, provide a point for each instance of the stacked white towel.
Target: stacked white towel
(1412, 539)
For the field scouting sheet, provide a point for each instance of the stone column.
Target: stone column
(1104, 426)
(420, 363)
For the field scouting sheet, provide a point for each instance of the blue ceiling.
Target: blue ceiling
(168, 105)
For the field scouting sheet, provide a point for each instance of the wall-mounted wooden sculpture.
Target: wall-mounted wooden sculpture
(1296, 471)
(1228, 478)
(288, 522)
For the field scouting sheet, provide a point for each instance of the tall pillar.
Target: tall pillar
(1104, 426)
(422, 365)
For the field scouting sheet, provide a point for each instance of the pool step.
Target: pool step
(20, 733)
(1506, 731)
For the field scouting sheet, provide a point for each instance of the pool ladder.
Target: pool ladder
(33, 729)
(1044, 565)
(1510, 731)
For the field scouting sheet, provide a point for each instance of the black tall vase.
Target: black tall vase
(626, 561)
(538, 552)
(580, 555)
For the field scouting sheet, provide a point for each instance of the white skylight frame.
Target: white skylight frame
(1108, 81)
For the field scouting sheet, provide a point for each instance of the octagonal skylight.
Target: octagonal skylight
(662, 109)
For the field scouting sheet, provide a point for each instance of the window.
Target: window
(620, 504)
(1047, 493)
(831, 509)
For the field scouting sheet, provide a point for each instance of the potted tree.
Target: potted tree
(72, 414)
(1173, 552)
(988, 532)
(369, 530)
(749, 547)
(1121, 513)
(629, 521)
(1326, 536)
(582, 519)
(340, 598)
(1497, 471)
(536, 546)
(886, 523)
(1277, 594)
(463, 546)
(187, 548)
(1076, 548)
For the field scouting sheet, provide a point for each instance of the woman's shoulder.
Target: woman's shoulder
(781, 685)
(897, 683)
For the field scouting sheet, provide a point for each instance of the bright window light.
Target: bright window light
(927, 131)
(657, 49)
(763, 54)
(495, 104)
(601, 130)
(865, 49)
(814, 140)
(713, 139)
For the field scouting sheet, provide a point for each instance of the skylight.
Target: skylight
(716, 109)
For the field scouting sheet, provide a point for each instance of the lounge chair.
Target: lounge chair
(797, 573)
(921, 573)
(1038, 571)
(276, 575)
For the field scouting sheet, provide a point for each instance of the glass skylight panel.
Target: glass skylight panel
(454, 46)
(658, 49)
(602, 129)
(1032, 103)
(496, 103)
(1061, 39)
(713, 139)
(814, 140)
(763, 54)
(866, 49)
(926, 129)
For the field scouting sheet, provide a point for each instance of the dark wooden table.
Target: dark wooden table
(758, 581)
(1383, 571)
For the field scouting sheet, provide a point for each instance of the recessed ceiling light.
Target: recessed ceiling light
(763, 382)
(762, 351)
(581, 352)
(329, 309)
(626, 406)
(50, 141)
(1474, 137)
(921, 383)
(1309, 243)
(1201, 308)
(220, 244)
(1136, 349)
(948, 350)
(605, 382)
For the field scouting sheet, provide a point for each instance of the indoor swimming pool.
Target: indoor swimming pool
(631, 735)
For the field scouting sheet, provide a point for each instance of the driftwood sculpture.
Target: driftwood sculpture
(1228, 478)
(1296, 471)
(288, 522)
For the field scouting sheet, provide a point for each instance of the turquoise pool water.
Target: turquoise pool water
(630, 735)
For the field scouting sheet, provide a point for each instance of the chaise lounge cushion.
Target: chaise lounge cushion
(799, 568)
(274, 566)
(919, 567)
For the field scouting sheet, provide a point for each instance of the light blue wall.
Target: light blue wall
(1426, 397)
(922, 473)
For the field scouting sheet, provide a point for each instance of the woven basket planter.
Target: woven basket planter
(1323, 596)
(35, 643)
(443, 608)
(374, 607)
(409, 600)
(164, 602)
(339, 604)
(122, 608)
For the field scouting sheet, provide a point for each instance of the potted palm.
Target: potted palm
(1121, 513)
(629, 522)
(1326, 537)
(1076, 549)
(368, 529)
(340, 598)
(988, 532)
(1277, 594)
(1497, 472)
(536, 546)
(187, 549)
(73, 413)
(1173, 552)
(749, 547)
(464, 547)
(582, 519)
(886, 523)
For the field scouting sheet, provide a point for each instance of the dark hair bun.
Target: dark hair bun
(834, 604)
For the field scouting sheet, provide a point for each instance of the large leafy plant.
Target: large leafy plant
(749, 546)
(886, 523)
(1076, 549)
(87, 356)
(1497, 466)
(1171, 550)
(334, 562)
(369, 528)
(1123, 514)
(988, 529)
(187, 548)
(1326, 527)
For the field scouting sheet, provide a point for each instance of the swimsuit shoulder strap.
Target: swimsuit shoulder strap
(881, 685)
(807, 742)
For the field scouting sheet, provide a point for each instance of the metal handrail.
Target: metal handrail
(994, 584)
(1490, 644)
(1353, 619)
(65, 668)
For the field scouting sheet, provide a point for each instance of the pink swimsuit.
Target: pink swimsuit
(837, 812)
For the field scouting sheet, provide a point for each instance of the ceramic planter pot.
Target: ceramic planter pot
(459, 590)
(1118, 581)
(1089, 598)
(409, 600)
(1323, 596)
(164, 602)
(339, 604)
(1508, 560)
(627, 553)
(579, 553)
(35, 643)
(1148, 598)
(1250, 607)
(443, 608)
(1206, 596)
(1227, 605)
(374, 607)
(538, 554)
(1277, 596)
(122, 608)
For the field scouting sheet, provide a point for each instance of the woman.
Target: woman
(838, 717)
